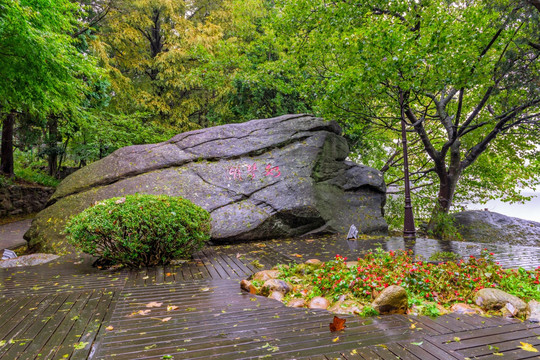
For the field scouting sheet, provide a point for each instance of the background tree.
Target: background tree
(465, 74)
(42, 73)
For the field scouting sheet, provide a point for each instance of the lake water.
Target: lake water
(529, 211)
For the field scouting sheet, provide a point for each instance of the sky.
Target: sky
(529, 211)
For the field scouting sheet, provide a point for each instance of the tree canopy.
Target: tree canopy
(465, 74)
(79, 79)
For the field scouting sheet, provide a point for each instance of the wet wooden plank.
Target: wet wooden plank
(78, 329)
(44, 341)
(95, 326)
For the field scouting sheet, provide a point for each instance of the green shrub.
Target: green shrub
(140, 230)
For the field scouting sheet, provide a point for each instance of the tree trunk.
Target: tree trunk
(6, 161)
(52, 124)
(447, 189)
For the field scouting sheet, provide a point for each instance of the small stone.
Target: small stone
(297, 303)
(462, 308)
(28, 260)
(266, 275)
(276, 295)
(246, 285)
(495, 299)
(534, 309)
(318, 302)
(314, 261)
(392, 300)
(276, 285)
(346, 307)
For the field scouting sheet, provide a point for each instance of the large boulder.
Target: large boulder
(492, 227)
(263, 179)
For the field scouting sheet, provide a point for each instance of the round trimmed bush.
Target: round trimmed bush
(140, 230)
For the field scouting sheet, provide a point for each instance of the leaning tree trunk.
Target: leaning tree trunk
(6, 160)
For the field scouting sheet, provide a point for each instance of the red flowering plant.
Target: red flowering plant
(444, 283)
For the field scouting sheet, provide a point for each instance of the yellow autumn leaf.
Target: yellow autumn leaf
(412, 326)
(336, 339)
(109, 328)
(527, 347)
(172, 307)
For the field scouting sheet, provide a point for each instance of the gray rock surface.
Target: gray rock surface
(28, 260)
(301, 184)
(492, 227)
(495, 299)
(534, 311)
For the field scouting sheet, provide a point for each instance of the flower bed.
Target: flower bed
(431, 288)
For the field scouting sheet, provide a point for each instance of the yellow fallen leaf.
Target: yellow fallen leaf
(412, 326)
(109, 328)
(527, 347)
(145, 277)
(172, 307)
(354, 352)
(336, 339)
(153, 304)
(297, 255)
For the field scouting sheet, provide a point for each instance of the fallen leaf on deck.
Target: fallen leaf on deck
(297, 255)
(205, 289)
(109, 328)
(417, 343)
(336, 339)
(527, 347)
(153, 304)
(150, 347)
(166, 319)
(337, 324)
(145, 277)
(172, 307)
(143, 312)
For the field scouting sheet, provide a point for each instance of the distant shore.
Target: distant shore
(528, 211)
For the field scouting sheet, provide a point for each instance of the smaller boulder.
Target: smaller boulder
(462, 308)
(265, 275)
(392, 300)
(246, 285)
(318, 302)
(276, 295)
(314, 261)
(297, 303)
(346, 307)
(495, 299)
(534, 311)
(272, 285)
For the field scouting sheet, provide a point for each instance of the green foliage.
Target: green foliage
(140, 230)
(37, 177)
(465, 76)
(444, 227)
(444, 256)
(368, 310)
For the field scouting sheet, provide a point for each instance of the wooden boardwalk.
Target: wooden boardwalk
(69, 310)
